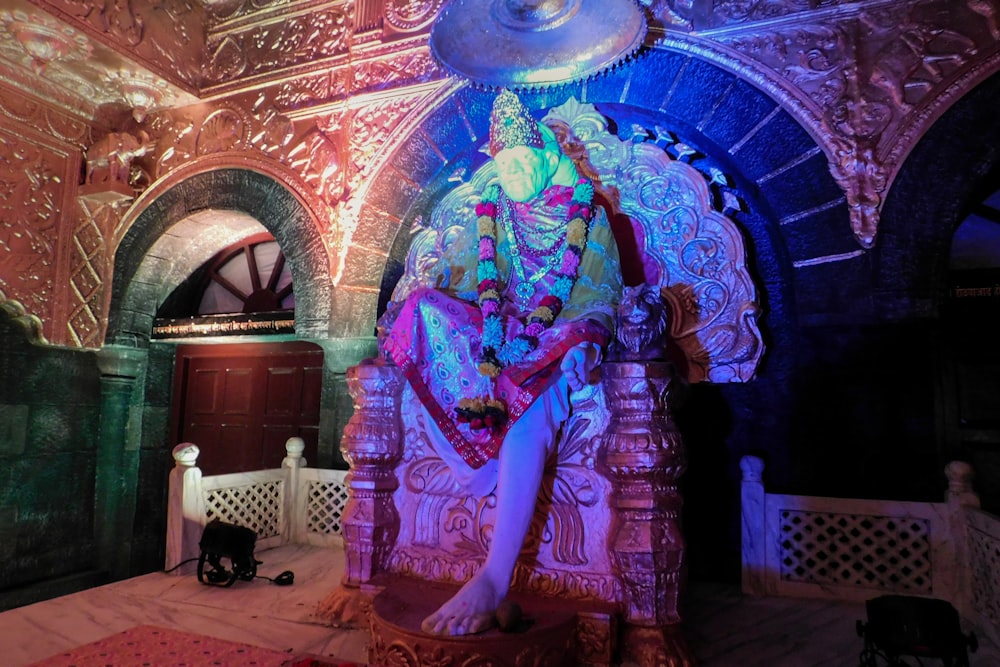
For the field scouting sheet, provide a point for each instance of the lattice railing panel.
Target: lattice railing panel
(256, 506)
(325, 506)
(984, 557)
(868, 551)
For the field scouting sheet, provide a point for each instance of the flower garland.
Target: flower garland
(496, 351)
(487, 412)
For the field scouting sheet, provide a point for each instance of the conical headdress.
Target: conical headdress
(511, 125)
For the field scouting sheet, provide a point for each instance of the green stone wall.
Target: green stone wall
(154, 459)
(49, 416)
(81, 502)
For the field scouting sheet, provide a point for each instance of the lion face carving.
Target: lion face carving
(642, 324)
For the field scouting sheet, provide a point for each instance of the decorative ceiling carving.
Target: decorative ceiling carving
(328, 89)
(281, 41)
(65, 66)
(866, 79)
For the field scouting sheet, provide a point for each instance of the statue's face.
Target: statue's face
(523, 171)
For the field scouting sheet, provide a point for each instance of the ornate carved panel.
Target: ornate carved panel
(870, 77)
(278, 42)
(165, 36)
(396, 68)
(256, 126)
(33, 174)
(411, 15)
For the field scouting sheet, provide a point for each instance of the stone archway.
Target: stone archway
(150, 262)
(180, 227)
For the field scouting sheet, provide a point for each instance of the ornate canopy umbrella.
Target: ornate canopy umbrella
(524, 44)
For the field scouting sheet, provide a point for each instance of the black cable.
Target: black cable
(286, 578)
(183, 562)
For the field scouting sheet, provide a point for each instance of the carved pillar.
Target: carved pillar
(372, 446)
(117, 458)
(644, 457)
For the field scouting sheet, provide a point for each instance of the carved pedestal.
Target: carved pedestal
(370, 523)
(547, 637)
(644, 458)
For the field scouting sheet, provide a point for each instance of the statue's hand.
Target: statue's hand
(578, 364)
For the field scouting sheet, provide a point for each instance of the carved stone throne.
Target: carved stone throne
(606, 535)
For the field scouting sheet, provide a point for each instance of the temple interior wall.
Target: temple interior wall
(865, 377)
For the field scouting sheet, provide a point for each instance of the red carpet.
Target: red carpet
(150, 646)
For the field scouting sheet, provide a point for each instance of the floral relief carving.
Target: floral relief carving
(303, 91)
(166, 33)
(391, 70)
(281, 43)
(31, 188)
(868, 75)
(312, 152)
(411, 15)
(370, 130)
(739, 11)
(225, 129)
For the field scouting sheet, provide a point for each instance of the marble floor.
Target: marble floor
(724, 628)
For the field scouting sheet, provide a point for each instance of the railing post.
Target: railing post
(752, 526)
(293, 529)
(185, 510)
(959, 496)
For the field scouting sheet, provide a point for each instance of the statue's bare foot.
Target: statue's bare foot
(471, 610)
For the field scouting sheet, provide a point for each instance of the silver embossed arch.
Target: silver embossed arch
(694, 253)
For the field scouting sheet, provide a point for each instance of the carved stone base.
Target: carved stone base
(549, 640)
(656, 647)
(345, 607)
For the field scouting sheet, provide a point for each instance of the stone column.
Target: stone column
(339, 354)
(644, 456)
(117, 458)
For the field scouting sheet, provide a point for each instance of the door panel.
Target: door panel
(240, 403)
(204, 391)
(284, 392)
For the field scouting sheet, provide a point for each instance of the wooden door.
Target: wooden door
(240, 403)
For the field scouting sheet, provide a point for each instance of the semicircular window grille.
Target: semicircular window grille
(247, 277)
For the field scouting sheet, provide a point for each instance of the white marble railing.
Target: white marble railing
(292, 504)
(851, 549)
